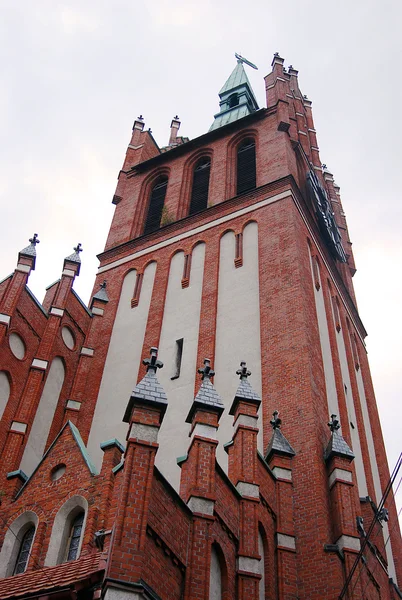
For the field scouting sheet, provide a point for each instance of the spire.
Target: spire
(237, 99)
(101, 294)
(244, 391)
(30, 251)
(207, 396)
(337, 445)
(278, 444)
(75, 256)
(148, 391)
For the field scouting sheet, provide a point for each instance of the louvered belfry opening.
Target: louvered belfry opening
(246, 168)
(199, 192)
(155, 206)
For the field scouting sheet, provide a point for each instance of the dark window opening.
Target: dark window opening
(199, 192)
(233, 100)
(155, 207)
(137, 290)
(75, 537)
(24, 552)
(185, 280)
(177, 359)
(238, 250)
(246, 167)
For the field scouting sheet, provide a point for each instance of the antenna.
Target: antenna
(244, 60)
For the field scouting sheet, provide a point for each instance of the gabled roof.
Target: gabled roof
(64, 576)
(82, 448)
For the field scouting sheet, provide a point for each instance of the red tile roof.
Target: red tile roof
(53, 578)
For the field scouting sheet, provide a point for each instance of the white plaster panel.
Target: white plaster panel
(281, 473)
(68, 337)
(238, 328)
(122, 364)
(87, 351)
(286, 541)
(181, 319)
(248, 489)
(350, 404)
(4, 391)
(147, 433)
(5, 318)
(117, 594)
(374, 470)
(252, 565)
(339, 474)
(261, 595)
(215, 577)
(36, 442)
(23, 268)
(17, 345)
(348, 542)
(330, 385)
(201, 505)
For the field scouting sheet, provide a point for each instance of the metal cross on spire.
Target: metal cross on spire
(276, 421)
(243, 371)
(334, 424)
(34, 240)
(241, 59)
(153, 363)
(78, 248)
(206, 372)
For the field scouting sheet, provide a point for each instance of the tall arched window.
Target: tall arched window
(246, 167)
(199, 192)
(74, 537)
(24, 551)
(155, 206)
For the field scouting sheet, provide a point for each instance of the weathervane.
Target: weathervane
(245, 61)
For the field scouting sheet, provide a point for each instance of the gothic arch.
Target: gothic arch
(61, 529)
(232, 147)
(218, 579)
(13, 539)
(144, 199)
(5, 390)
(188, 177)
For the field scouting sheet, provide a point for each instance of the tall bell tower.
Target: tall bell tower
(229, 249)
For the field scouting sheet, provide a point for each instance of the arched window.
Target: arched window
(246, 167)
(199, 192)
(218, 576)
(24, 551)
(75, 537)
(155, 206)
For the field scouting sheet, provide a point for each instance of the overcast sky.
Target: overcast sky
(75, 74)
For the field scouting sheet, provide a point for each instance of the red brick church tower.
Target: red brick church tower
(251, 466)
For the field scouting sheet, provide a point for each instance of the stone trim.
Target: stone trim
(340, 474)
(147, 433)
(250, 565)
(286, 541)
(73, 404)
(87, 351)
(281, 473)
(347, 542)
(23, 268)
(248, 489)
(18, 427)
(246, 421)
(5, 319)
(68, 273)
(38, 363)
(97, 311)
(205, 431)
(201, 505)
(58, 312)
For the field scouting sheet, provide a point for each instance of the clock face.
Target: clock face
(325, 216)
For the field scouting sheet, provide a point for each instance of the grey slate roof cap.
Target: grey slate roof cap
(207, 398)
(101, 294)
(244, 392)
(279, 445)
(338, 447)
(147, 392)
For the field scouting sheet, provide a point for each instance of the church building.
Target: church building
(206, 428)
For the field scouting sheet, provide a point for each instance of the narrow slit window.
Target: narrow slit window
(200, 188)
(24, 551)
(155, 207)
(185, 281)
(238, 261)
(137, 290)
(177, 359)
(336, 314)
(354, 351)
(316, 273)
(246, 167)
(75, 537)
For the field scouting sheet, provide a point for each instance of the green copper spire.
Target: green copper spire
(237, 98)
